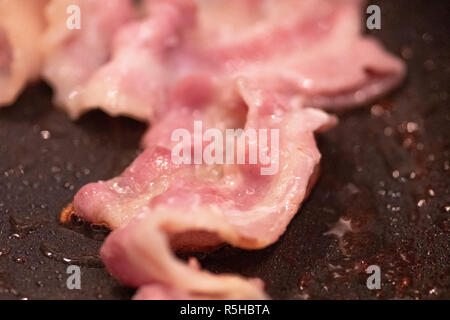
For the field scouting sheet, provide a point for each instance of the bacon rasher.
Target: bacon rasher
(198, 207)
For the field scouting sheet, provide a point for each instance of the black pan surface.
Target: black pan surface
(385, 167)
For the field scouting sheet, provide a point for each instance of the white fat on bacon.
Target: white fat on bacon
(21, 26)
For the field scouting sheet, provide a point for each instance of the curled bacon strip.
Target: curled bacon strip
(205, 207)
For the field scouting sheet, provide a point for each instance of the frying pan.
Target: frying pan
(385, 168)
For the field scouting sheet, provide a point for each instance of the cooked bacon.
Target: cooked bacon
(71, 56)
(21, 26)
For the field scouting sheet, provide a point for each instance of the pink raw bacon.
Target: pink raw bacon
(227, 76)
(21, 26)
(319, 53)
(233, 204)
(327, 31)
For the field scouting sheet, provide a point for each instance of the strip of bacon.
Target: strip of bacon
(21, 26)
(205, 207)
(71, 56)
(312, 47)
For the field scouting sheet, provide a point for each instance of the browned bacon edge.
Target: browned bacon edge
(67, 213)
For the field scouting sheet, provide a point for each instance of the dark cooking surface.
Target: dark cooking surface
(374, 172)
